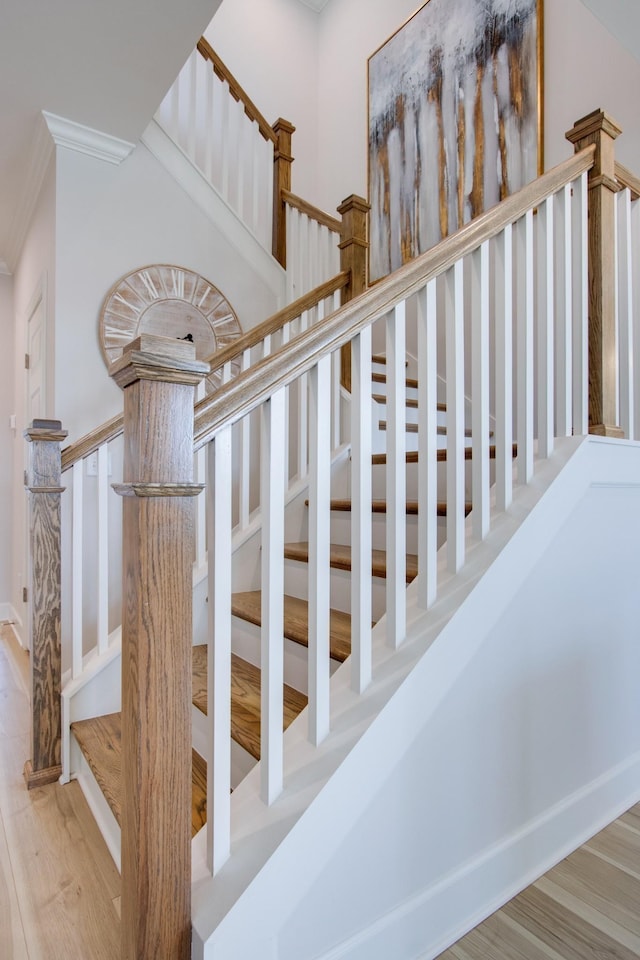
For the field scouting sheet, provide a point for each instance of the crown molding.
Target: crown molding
(316, 5)
(39, 157)
(93, 143)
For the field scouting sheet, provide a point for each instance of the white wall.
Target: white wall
(110, 221)
(271, 47)
(6, 441)
(320, 82)
(34, 275)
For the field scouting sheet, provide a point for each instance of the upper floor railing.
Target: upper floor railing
(248, 161)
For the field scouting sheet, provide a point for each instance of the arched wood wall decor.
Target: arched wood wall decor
(168, 301)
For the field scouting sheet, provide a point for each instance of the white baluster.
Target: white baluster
(545, 304)
(524, 345)
(76, 568)
(480, 389)
(256, 170)
(218, 494)
(427, 443)
(336, 410)
(103, 549)
(209, 128)
(396, 476)
(272, 613)
(564, 289)
(319, 529)
(635, 279)
(361, 511)
(624, 302)
(302, 409)
(226, 143)
(268, 196)
(244, 477)
(503, 367)
(192, 99)
(580, 299)
(454, 287)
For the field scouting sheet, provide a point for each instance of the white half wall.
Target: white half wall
(514, 739)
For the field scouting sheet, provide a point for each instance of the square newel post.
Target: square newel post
(282, 160)
(43, 483)
(158, 377)
(598, 128)
(354, 248)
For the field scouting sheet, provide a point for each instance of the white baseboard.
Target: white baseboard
(440, 915)
(107, 823)
(8, 614)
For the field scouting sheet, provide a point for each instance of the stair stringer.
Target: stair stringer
(474, 762)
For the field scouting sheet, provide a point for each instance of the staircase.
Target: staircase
(382, 531)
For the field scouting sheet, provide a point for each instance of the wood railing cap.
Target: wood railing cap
(592, 123)
(50, 430)
(354, 202)
(158, 358)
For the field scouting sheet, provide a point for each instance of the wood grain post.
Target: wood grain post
(282, 160)
(43, 483)
(599, 129)
(158, 376)
(354, 248)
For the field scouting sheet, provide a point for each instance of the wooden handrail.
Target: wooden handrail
(206, 50)
(314, 213)
(91, 441)
(628, 179)
(113, 428)
(242, 395)
(277, 321)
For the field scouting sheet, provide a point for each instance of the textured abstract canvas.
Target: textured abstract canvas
(454, 121)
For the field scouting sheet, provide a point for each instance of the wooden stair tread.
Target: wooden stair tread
(380, 506)
(381, 358)
(413, 428)
(380, 398)
(441, 455)
(340, 558)
(100, 740)
(247, 606)
(410, 382)
(245, 699)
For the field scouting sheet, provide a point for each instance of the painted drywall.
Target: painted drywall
(111, 220)
(271, 47)
(34, 277)
(6, 442)
(546, 709)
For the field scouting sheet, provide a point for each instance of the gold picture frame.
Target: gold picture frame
(455, 111)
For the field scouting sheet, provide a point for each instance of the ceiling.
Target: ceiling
(107, 64)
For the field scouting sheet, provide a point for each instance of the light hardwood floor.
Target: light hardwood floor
(59, 888)
(586, 908)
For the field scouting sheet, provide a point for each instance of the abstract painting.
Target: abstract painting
(454, 121)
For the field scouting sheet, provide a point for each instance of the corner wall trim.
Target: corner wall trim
(93, 143)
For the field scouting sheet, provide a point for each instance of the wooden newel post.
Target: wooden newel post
(354, 248)
(43, 483)
(158, 376)
(600, 129)
(282, 160)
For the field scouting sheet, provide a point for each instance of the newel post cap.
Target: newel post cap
(50, 430)
(158, 358)
(594, 123)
